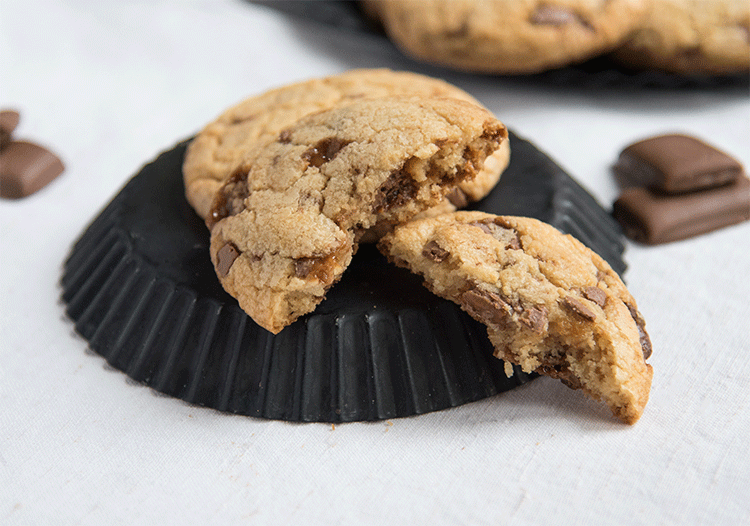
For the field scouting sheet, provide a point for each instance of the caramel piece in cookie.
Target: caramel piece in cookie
(692, 37)
(221, 145)
(286, 223)
(503, 36)
(550, 304)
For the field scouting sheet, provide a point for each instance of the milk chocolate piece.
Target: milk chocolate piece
(535, 318)
(485, 306)
(643, 337)
(505, 235)
(26, 168)
(596, 295)
(578, 307)
(457, 198)
(676, 163)
(8, 122)
(656, 217)
(435, 252)
(225, 258)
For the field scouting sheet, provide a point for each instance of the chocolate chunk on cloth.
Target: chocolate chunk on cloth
(26, 168)
(654, 218)
(8, 122)
(676, 163)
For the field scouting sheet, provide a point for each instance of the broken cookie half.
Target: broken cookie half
(286, 223)
(550, 304)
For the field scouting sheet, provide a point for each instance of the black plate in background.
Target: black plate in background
(596, 73)
(141, 289)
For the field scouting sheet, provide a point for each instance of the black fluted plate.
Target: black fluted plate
(140, 287)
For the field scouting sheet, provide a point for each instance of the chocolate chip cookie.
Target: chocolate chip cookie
(286, 223)
(502, 36)
(222, 144)
(550, 304)
(692, 37)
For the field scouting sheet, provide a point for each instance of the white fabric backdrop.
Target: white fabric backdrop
(108, 85)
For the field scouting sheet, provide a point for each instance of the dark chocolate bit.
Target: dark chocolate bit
(26, 168)
(556, 367)
(285, 137)
(230, 199)
(654, 218)
(578, 307)
(596, 295)
(675, 164)
(642, 334)
(324, 151)
(8, 121)
(435, 252)
(225, 258)
(398, 189)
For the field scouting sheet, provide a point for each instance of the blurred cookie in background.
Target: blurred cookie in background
(506, 36)
(691, 37)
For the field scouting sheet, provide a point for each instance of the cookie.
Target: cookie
(286, 223)
(222, 144)
(501, 36)
(550, 304)
(691, 37)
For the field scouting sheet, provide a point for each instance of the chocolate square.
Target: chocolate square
(675, 164)
(654, 217)
(26, 168)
